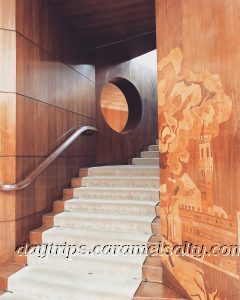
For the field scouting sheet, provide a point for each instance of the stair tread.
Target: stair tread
(93, 234)
(122, 178)
(146, 158)
(16, 296)
(124, 167)
(114, 201)
(117, 189)
(50, 283)
(95, 258)
(100, 216)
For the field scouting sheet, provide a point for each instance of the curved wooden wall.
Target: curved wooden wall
(199, 129)
(113, 147)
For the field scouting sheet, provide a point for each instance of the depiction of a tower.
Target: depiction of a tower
(206, 169)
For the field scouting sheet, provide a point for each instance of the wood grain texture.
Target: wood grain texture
(7, 125)
(113, 147)
(8, 14)
(104, 22)
(198, 49)
(116, 119)
(52, 94)
(8, 61)
(42, 77)
(114, 107)
(55, 37)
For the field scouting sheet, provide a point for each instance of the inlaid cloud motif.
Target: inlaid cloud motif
(186, 102)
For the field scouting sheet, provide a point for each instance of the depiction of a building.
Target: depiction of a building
(206, 170)
(209, 225)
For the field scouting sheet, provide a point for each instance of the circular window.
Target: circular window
(121, 105)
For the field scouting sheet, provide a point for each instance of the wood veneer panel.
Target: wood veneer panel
(8, 14)
(50, 127)
(198, 49)
(7, 61)
(139, 16)
(43, 78)
(55, 37)
(7, 124)
(52, 97)
(7, 209)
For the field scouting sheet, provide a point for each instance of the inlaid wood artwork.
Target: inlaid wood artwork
(196, 108)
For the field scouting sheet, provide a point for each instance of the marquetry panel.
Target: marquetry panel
(199, 129)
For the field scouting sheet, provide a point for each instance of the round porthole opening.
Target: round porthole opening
(121, 105)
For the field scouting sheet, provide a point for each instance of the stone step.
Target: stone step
(89, 237)
(116, 193)
(125, 170)
(119, 207)
(16, 296)
(152, 148)
(149, 154)
(146, 291)
(142, 267)
(111, 222)
(122, 266)
(145, 161)
(45, 283)
(109, 181)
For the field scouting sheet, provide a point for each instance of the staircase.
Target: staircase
(107, 207)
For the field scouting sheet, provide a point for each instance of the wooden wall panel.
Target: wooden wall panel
(8, 14)
(113, 147)
(198, 96)
(7, 124)
(54, 99)
(8, 61)
(53, 93)
(55, 37)
(41, 76)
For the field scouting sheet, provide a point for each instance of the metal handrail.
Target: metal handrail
(29, 179)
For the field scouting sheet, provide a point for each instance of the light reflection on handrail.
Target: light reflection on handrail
(29, 179)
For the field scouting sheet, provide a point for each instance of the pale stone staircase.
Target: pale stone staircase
(110, 205)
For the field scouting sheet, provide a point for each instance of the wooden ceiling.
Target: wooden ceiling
(108, 22)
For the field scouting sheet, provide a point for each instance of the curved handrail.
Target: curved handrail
(29, 179)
